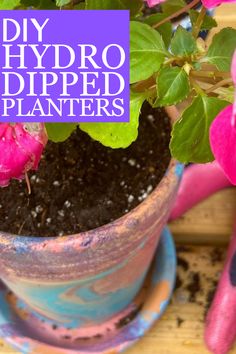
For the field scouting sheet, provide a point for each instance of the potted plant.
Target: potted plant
(103, 192)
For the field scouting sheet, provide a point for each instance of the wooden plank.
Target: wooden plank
(225, 17)
(180, 330)
(210, 222)
(4, 348)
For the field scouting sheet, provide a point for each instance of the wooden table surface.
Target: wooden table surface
(201, 235)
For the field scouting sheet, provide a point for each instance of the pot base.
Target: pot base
(33, 335)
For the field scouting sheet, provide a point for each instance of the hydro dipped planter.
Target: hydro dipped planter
(80, 281)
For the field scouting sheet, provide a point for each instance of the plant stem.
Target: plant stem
(219, 84)
(198, 24)
(196, 87)
(144, 84)
(177, 13)
(178, 60)
(28, 183)
(210, 74)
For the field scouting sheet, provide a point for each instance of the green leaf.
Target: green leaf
(58, 132)
(9, 4)
(222, 48)
(172, 86)
(171, 6)
(190, 135)
(165, 30)
(32, 3)
(133, 6)
(80, 6)
(41, 4)
(62, 2)
(118, 135)
(147, 51)
(47, 5)
(208, 22)
(183, 43)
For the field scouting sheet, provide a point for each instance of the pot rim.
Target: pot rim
(8, 239)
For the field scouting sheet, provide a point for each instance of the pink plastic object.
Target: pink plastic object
(198, 182)
(220, 332)
(223, 142)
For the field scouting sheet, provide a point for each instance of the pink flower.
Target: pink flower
(207, 3)
(21, 146)
(223, 136)
(152, 3)
(212, 3)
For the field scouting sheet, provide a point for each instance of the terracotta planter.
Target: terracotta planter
(82, 280)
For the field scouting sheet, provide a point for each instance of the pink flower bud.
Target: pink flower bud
(21, 147)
